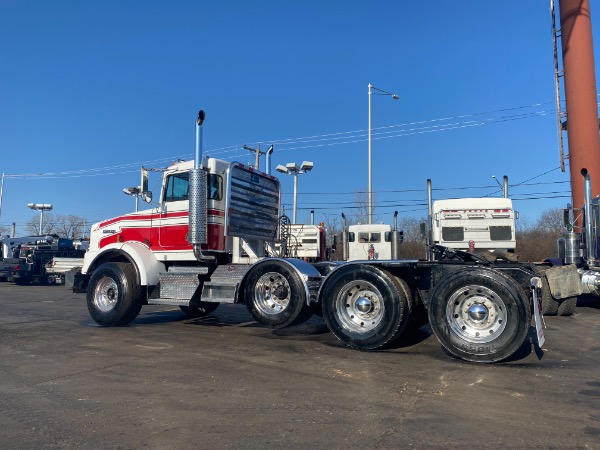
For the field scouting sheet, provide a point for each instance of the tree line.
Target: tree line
(63, 225)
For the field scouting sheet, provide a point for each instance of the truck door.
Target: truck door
(173, 216)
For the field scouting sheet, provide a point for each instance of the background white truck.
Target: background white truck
(474, 224)
(302, 241)
(210, 240)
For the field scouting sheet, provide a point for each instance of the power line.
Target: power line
(316, 138)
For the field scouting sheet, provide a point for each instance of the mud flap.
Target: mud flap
(536, 291)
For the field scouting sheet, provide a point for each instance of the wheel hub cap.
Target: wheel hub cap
(363, 304)
(360, 306)
(478, 312)
(106, 294)
(273, 293)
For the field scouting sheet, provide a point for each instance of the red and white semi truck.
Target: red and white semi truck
(211, 240)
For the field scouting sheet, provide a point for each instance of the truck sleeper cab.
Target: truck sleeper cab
(475, 224)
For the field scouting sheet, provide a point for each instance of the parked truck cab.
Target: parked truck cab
(211, 239)
(475, 224)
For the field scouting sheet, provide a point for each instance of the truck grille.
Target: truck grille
(253, 204)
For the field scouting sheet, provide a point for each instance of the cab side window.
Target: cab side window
(177, 187)
(215, 187)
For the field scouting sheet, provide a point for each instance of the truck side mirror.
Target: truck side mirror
(400, 237)
(145, 193)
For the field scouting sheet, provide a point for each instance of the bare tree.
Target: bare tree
(413, 247)
(64, 225)
(361, 214)
(48, 225)
(551, 220)
(70, 226)
(538, 242)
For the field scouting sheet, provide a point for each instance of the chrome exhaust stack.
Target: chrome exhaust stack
(269, 153)
(396, 238)
(345, 237)
(197, 197)
(429, 228)
(589, 230)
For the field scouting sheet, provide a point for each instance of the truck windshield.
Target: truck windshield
(369, 237)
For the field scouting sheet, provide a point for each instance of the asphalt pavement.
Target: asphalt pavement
(169, 382)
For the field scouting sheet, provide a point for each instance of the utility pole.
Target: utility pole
(257, 152)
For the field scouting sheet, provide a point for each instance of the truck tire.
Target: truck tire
(365, 307)
(549, 304)
(479, 315)
(567, 306)
(201, 310)
(113, 296)
(274, 295)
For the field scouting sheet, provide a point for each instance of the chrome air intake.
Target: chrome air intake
(569, 248)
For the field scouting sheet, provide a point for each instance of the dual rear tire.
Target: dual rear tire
(479, 315)
(365, 307)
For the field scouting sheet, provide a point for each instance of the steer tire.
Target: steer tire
(275, 295)
(364, 306)
(479, 315)
(114, 297)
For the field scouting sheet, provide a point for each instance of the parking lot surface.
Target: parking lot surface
(167, 381)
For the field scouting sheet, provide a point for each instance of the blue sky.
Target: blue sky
(89, 91)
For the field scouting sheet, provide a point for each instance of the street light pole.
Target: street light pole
(1, 190)
(295, 196)
(293, 169)
(370, 185)
(370, 139)
(41, 207)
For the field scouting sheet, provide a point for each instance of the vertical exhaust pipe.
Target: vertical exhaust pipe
(312, 216)
(268, 159)
(345, 245)
(590, 241)
(429, 220)
(197, 197)
(505, 187)
(395, 238)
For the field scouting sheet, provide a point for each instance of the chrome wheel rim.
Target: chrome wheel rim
(476, 314)
(272, 293)
(359, 306)
(106, 294)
